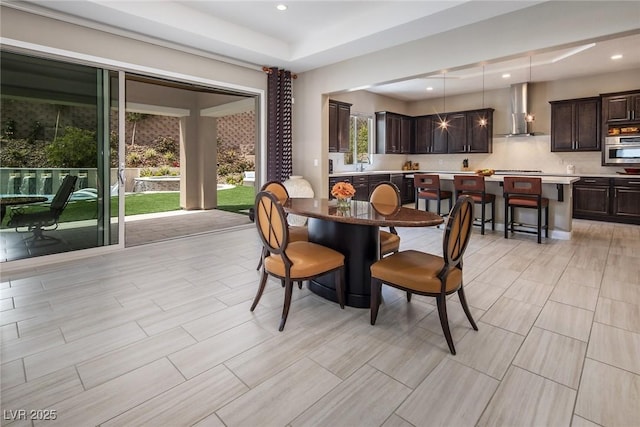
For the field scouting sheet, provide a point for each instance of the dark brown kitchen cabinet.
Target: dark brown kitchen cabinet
(621, 107)
(428, 137)
(408, 191)
(575, 125)
(456, 132)
(423, 138)
(480, 131)
(591, 198)
(607, 199)
(339, 117)
(626, 198)
(361, 185)
(467, 133)
(393, 133)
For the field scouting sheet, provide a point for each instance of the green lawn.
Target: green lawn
(235, 199)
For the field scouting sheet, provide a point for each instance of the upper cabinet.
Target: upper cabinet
(339, 116)
(465, 133)
(470, 131)
(393, 133)
(428, 137)
(621, 107)
(575, 125)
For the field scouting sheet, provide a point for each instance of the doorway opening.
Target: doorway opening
(188, 149)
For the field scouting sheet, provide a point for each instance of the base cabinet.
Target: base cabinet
(626, 198)
(607, 199)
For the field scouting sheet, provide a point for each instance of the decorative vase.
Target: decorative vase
(298, 187)
(344, 204)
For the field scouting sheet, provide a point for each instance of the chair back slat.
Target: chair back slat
(426, 181)
(271, 223)
(63, 194)
(278, 189)
(523, 185)
(469, 183)
(458, 231)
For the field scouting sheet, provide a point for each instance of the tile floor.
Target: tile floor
(162, 335)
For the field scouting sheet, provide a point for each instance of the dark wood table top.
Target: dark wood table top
(363, 213)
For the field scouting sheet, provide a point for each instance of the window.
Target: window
(360, 139)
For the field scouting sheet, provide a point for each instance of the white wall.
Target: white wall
(542, 26)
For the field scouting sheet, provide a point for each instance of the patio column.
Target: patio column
(198, 159)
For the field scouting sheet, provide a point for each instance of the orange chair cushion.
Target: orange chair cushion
(389, 242)
(527, 202)
(415, 270)
(308, 259)
(298, 234)
(432, 195)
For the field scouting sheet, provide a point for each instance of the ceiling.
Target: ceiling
(312, 34)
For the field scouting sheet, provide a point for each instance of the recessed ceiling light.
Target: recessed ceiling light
(506, 75)
(429, 88)
(618, 56)
(281, 7)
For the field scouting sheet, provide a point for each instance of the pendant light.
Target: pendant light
(443, 121)
(529, 117)
(483, 119)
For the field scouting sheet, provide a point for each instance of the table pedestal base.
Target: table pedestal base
(360, 245)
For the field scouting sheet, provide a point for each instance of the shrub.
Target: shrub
(146, 172)
(166, 145)
(170, 158)
(134, 159)
(75, 149)
(150, 153)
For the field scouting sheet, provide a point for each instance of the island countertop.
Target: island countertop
(448, 175)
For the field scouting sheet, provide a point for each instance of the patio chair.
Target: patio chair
(36, 222)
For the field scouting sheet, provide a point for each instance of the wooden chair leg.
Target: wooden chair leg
(482, 217)
(493, 216)
(340, 279)
(506, 218)
(263, 282)
(513, 217)
(299, 284)
(409, 296)
(444, 321)
(465, 307)
(546, 222)
(539, 224)
(288, 290)
(376, 290)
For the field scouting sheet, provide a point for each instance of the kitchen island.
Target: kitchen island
(557, 188)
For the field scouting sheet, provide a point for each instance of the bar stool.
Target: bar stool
(428, 188)
(473, 186)
(525, 192)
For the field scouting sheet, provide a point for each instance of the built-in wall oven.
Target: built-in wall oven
(622, 150)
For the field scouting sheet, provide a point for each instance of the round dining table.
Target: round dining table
(355, 232)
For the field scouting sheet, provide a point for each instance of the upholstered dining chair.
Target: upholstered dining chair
(291, 261)
(385, 199)
(297, 233)
(428, 188)
(473, 186)
(425, 274)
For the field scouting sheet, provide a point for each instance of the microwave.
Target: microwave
(622, 150)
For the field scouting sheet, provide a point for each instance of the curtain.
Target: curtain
(279, 142)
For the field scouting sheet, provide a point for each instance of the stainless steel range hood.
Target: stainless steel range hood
(519, 110)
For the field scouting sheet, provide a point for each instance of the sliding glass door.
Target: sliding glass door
(58, 119)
